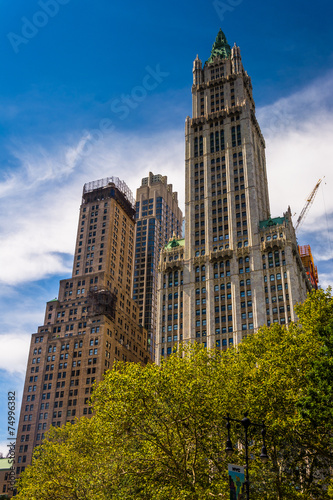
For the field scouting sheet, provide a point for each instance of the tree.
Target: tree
(158, 432)
(317, 401)
(274, 365)
(66, 466)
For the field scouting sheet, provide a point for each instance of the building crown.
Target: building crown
(221, 48)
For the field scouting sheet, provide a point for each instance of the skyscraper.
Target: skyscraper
(93, 322)
(238, 268)
(158, 217)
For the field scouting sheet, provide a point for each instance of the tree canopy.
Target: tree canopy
(159, 432)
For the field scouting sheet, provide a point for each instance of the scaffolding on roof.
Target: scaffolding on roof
(107, 181)
(101, 301)
(308, 263)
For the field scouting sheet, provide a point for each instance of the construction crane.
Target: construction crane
(307, 205)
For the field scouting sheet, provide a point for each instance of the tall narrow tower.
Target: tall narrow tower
(93, 322)
(239, 268)
(158, 217)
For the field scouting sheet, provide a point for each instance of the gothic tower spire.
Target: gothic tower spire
(237, 269)
(221, 48)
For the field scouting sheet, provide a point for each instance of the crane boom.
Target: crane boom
(308, 204)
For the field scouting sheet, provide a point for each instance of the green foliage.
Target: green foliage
(66, 466)
(330, 489)
(317, 401)
(158, 432)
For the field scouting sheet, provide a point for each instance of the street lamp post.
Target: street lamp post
(246, 423)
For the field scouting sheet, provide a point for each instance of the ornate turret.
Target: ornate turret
(236, 60)
(197, 71)
(220, 49)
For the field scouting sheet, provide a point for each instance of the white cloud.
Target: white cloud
(25, 308)
(326, 280)
(14, 352)
(4, 448)
(42, 198)
(22, 309)
(298, 130)
(297, 159)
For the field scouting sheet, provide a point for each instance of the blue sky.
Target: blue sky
(91, 89)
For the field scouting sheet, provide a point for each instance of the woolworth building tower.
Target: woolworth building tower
(238, 268)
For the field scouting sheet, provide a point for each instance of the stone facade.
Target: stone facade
(237, 269)
(93, 322)
(158, 217)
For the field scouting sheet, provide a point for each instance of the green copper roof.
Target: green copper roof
(271, 222)
(5, 464)
(53, 300)
(174, 243)
(221, 48)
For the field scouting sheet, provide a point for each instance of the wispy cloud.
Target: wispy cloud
(41, 201)
(22, 310)
(42, 197)
(18, 347)
(298, 131)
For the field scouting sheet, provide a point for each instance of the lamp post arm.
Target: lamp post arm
(246, 423)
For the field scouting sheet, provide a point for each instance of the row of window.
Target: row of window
(171, 338)
(274, 277)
